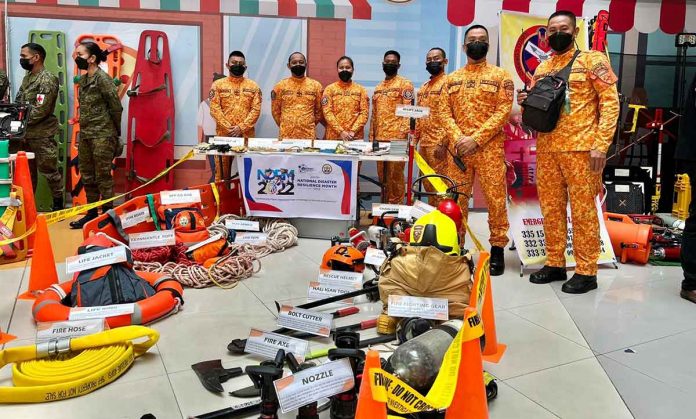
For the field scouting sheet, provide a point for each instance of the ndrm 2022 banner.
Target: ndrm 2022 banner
(299, 186)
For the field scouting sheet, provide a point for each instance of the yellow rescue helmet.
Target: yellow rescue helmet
(438, 230)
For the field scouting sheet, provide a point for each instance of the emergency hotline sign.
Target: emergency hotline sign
(297, 186)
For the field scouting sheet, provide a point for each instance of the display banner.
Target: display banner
(299, 186)
(524, 44)
(527, 226)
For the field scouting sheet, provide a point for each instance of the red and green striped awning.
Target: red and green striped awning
(330, 9)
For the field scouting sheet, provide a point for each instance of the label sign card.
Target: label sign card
(96, 259)
(346, 279)
(263, 143)
(251, 238)
(420, 209)
(285, 144)
(375, 257)
(132, 218)
(319, 291)
(427, 308)
(379, 209)
(266, 344)
(327, 144)
(46, 332)
(408, 111)
(100, 312)
(362, 146)
(310, 385)
(152, 239)
(302, 320)
(230, 141)
(242, 225)
(189, 196)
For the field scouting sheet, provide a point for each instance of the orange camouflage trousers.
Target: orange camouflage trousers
(438, 165)
(488, 164)
(562, 176)
(393, 180)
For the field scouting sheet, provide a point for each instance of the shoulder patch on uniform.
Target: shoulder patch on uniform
(40, 99)
(509, 89)
(604, 73)
(273, 94)
(211, 94)
(324, 101)
(408, 94)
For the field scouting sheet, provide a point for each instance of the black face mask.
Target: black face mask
(345, 75)
(434, 67)
(476, 50)
(237, 70)
(390, 69)
(560, 41)
(298, 70)
(24, 62)
(81, 63)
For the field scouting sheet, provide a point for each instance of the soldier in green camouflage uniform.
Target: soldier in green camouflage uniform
(4, 84)
(100, 128)
(40, 89)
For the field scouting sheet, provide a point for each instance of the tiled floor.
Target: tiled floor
(566, 354)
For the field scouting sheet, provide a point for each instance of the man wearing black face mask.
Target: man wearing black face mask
(480, 100)
(386, 126)
(40, 89)
(235, 105)
(431, 131)
(296, 102)
(570, 158)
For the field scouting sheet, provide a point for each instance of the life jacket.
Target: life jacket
(186, 220)
(109, 284)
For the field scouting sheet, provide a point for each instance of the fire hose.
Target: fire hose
(68, 368)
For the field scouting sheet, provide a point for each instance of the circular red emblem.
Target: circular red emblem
(531, 49)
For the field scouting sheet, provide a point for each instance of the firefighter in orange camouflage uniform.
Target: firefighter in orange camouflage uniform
(570, 159)
(235, 105)
(296, 102)
(431, 131)
(346, 105)
(386, 126)
(480, 99)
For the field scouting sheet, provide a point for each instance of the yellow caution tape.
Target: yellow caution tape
(83, 364)
(403, 399)
(57, 216)
(425, 168)
(440, 187)
(216, 194)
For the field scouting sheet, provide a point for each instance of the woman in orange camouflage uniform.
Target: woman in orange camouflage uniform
(480, 99)
(386, 126)
(570, 159)
(296, 102)
(235, 105)
(431, 131)
(346, 105)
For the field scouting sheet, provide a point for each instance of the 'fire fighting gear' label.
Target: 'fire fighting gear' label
(425, 308)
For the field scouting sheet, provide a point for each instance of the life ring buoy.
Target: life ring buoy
(169, 296)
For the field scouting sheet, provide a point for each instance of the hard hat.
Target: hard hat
(437, 230)
(450, 208)
(343, 258)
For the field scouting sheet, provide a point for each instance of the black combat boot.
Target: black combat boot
(497, 261)
(57, 204)
(548, 274)
(91, 215)
(580, 284)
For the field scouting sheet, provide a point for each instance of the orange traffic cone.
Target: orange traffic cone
(43, 268)
(22, 177)
(469, 399)
(369, 408)
(6, 337)
(493, 351)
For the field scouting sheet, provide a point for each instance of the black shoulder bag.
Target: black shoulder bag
(542, 108)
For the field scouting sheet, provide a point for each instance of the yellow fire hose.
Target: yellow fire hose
(72, 367)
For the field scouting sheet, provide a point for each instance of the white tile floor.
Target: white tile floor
(566, 354)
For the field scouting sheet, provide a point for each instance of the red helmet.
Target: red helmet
(450, 208)
(343, 258)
